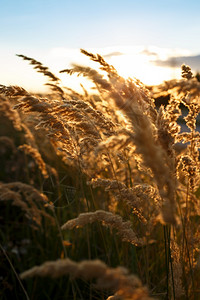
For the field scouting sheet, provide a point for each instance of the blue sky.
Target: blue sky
(47, 23)
(36, 27)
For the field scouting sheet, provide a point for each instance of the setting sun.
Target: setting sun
(142, 68)
(144, 64)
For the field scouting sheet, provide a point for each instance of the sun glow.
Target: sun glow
(130, 61)
(143, 68)
(135, 62)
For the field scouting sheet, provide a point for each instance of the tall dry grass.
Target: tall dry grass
(136, 176)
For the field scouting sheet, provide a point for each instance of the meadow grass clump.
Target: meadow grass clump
(120, 178)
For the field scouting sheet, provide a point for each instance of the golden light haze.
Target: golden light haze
(130, 61)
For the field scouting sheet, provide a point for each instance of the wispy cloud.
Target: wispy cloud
(116, 53)
(148, 52)
(174, 62)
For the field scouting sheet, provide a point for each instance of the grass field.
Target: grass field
(99, 191)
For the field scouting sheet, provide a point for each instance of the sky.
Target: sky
(137, 37)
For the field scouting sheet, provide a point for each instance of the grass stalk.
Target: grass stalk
(14, 271)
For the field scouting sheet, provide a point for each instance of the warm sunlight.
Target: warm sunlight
(151, 65)
(138, 62)
(143, 68)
